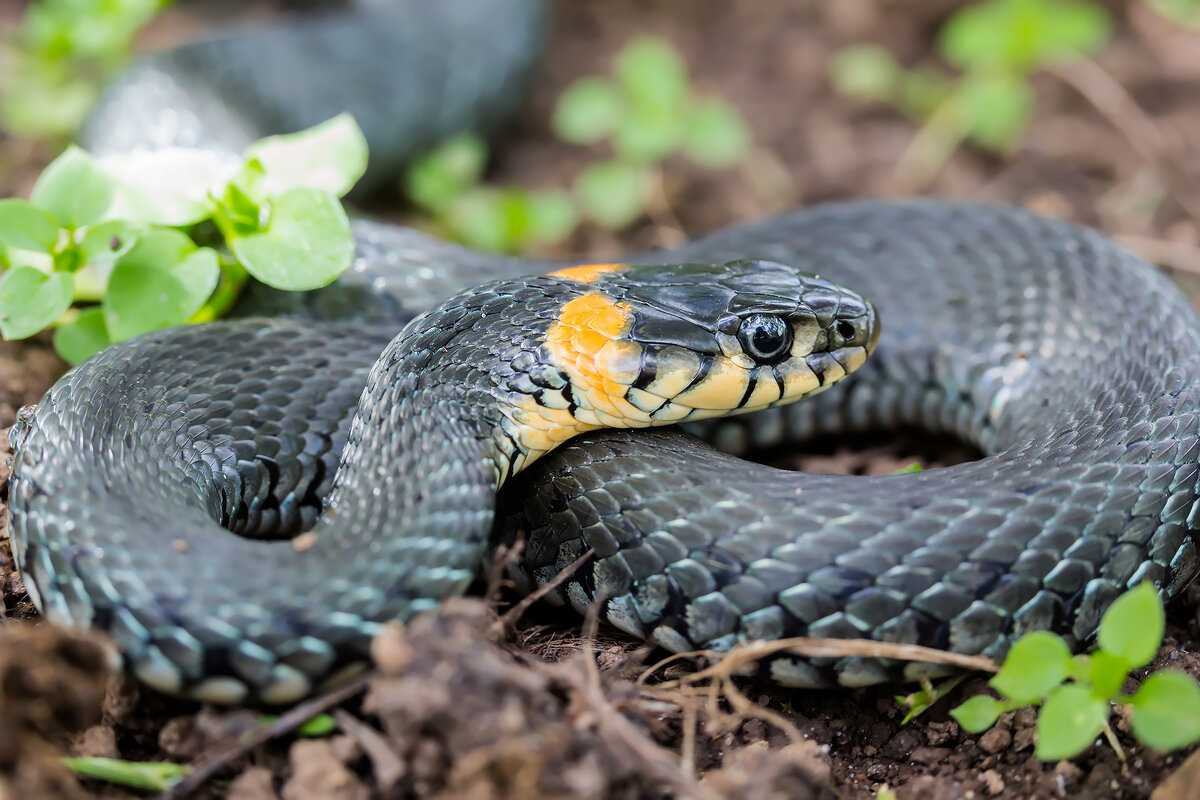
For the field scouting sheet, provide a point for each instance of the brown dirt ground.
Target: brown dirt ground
(462, 707)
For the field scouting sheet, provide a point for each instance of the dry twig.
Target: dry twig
(288, 722)
(514, 614)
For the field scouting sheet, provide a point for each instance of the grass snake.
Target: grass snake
(158, 488)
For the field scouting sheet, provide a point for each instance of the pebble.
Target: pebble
(1068, 771)
(930, 755)
(939, 733)
(317, 774)
(98, 740)
(253, 784)
(995, 740)
(993, 782)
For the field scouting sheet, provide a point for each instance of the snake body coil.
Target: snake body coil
(1073, 366)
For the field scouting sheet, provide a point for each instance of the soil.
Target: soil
(461, 705)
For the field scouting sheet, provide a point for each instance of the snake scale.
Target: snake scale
(159, 488)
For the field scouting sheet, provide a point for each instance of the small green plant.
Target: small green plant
(107, 249)
(996, 45)
(149, 776)
(59, 58)
(1182, 12)
(445, 183)
(646, 111)
(1076, 694)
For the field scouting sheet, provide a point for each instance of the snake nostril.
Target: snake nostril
(845, 330)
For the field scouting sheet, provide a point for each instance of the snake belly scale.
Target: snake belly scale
(156, 487)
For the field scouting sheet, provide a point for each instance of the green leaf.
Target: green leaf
(42, 105)
(331, 156)
(510, 220)
(478, 218)
(715, 135)
(1069, 722)
(159, 283)
(1133, 625)
(306, 244)
(587, 111)
(434, 180)
(238, 212)
(24, 226)
(978, 713)
(107, 241)
(82, 337)
(909, 469)
(74, 188)
(172, 186)
(30, 300)
(612, 193)
(552, 217)
(1166, 710)
(316, 727)
(652, 74)
(1037, 663)
(648, 135)
(1022, 34)
(997, 107)
(1107, 673)
(151, 776)
(865, 71)
(320, 725)
(922, 92)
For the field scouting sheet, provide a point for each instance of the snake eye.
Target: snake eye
(765, 337)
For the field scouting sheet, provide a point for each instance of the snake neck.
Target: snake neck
(447, 391)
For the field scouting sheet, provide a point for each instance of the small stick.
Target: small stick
(826, 648)
(286, 723)
(388, 767)
(515, 613)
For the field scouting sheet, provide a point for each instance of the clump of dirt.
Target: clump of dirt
(26, 370)
(52, 685)
(468, 718)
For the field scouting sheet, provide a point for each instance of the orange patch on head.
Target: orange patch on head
(585, 325)
(587, 273)
(584, 344)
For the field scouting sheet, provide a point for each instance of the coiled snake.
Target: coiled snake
(1073, 366)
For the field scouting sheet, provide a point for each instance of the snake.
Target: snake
(241, 505)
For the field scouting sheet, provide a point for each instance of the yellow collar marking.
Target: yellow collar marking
(587, 273)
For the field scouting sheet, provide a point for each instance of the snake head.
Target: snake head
(638, 346)
(660, 344)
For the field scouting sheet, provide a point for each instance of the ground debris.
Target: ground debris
(796, 772)
(468, 718)
(318, 774)
(255, 783)
(52, 685)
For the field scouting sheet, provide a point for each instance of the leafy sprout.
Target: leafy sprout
(1076, 693)
(150, 776)
(106, 249)
(997, 45)
(61, 54)
(644, 112)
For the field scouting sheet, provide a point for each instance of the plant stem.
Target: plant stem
(229, 288)
(931, 147)
(1113, 743)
